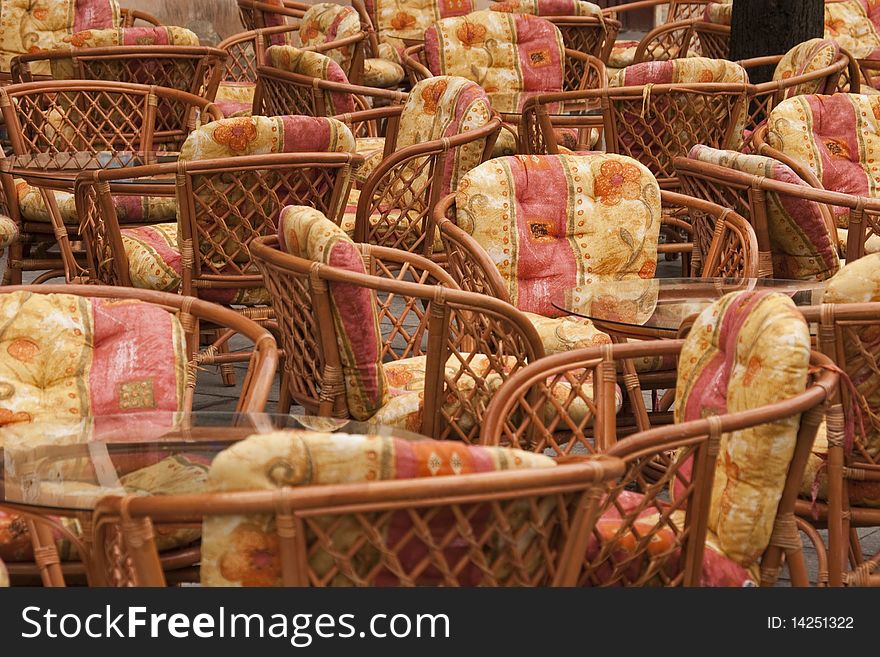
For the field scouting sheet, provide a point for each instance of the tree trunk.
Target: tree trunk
(772, 27)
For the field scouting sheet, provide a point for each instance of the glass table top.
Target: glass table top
(663, 304)
(68, 464)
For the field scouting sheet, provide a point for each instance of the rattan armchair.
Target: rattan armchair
(653, 523)
(514, 528)
(259, 14)
(447, 348)
(65, 126)
(129, 17)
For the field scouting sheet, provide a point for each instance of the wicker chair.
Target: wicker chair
(234, 177)
(260, 14)
(117, 55)
(152, 322)
(523, 527)
(439, 351)
(67, 125)
(839, 489)
(842, 165)
(128, 17)
(660, 524)
(794, 225)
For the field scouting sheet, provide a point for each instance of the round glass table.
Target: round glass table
(67, 465)
(660, 307)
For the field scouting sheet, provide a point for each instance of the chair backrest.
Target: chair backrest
(828, 141)
(473, 516)
(258, 14)
(83, 123)
(806, 58)
(854, 25)
(666, 108)
(392, 19)
(601, 221)
(498, 50)
(163, 56)
(295, 93)
(451, 349)
(237, 182)
(326, 22)
(795, 235)
(28, 26)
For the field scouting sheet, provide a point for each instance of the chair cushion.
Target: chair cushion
(129, 209)
(235, 97)
(75, 356)
(500, 51)
(382, 73)
(853, 24)
(682, 71)
(325, 22)
(8, 231)
(307, 233)
(623, 54)
(372, 148)
(164, 35)
(805, 58)
(746, 350)
(801, 245)
(4, 576)
(719, 13)
(29, 26)
(315, 65)
(547, 7)
(154, 263)
(835, 137)
(411, 19)
(244, 550)
(604, 227)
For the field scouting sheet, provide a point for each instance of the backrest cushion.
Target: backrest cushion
(746, 350)
(326, 22)
(412, 18)
(718, 13)
(443, 107)
(500, 51)
(315, 65)
(308, 234)
(243, 550)
(551, 222)
(835, 137)
(854, 25)
(801, 245)
(859, 282)
(805, 58)
(548, 7)
(32, 25)
(74, 356)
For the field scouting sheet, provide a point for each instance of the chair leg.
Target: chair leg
(284, 399)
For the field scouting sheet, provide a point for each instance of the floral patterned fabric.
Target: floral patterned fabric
(681, 71)
(604, 227)
(235, 98)
(747, 349)
(854, 25)
(718, 13)
(307, 233)
(244, 550)
(33, 25)
(395, 20)
(129, 209)
(802, 246)
(316, 65)
(805, 58)
(548, 7)
(836, 137)
(500, 51)
(623, 54)
(8, 231)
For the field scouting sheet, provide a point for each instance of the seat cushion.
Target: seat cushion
(805, 58)
(850, 24)
(325, 22)
(835, 137)
(234, 98)
(129, 209)
(314, 65)
(501, 51)
(8, 231)
(411, 19)
(623, 54)
(43, 25)
(718, 13)
(154, 263)
(746, 350)
(547, 7)
(244, 550)
(802, 247)
(604, 227)
(382, 73)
